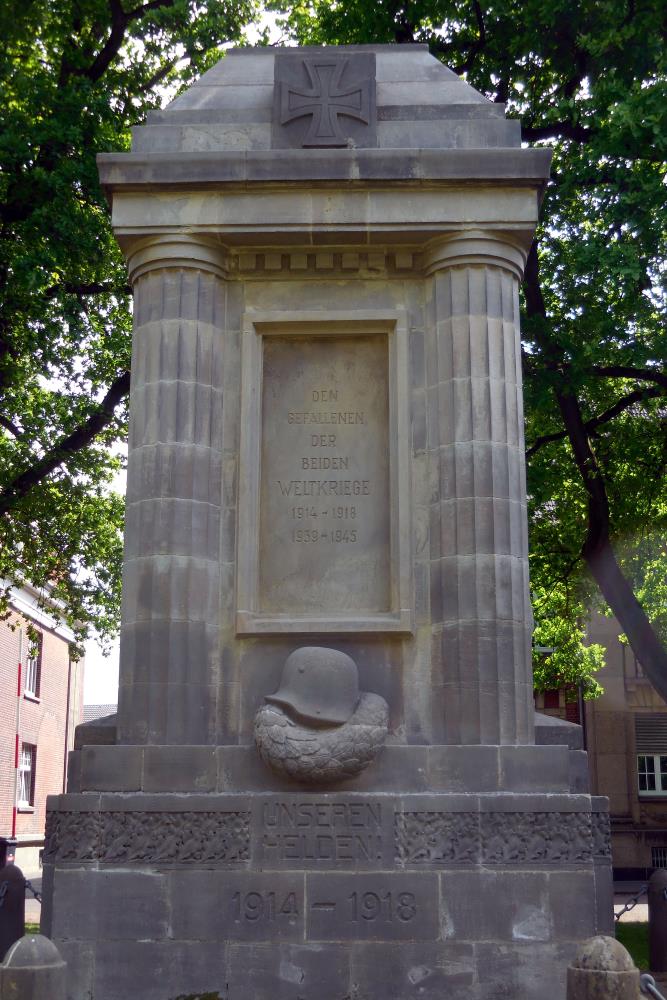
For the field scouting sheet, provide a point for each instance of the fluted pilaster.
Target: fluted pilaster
(480, 603)
(171, 580)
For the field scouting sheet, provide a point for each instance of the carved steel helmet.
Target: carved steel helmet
(319, 684)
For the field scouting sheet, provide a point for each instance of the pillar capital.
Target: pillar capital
(175, 250)
(477, 247)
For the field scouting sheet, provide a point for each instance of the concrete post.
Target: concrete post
(12, 907)
(33, 970)
(482, 620)
(602, 970)
(657, 921)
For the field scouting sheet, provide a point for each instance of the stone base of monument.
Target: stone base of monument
(415, 890)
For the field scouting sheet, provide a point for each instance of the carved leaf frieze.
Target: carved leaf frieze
(601, 835)
(437, 837)
(494, 837)
(420, 837)
(119, 837)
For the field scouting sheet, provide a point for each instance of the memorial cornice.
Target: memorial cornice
(502, 167)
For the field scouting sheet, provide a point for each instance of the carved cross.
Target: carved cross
(325, 100)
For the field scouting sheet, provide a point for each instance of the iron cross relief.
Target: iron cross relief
(325, 100)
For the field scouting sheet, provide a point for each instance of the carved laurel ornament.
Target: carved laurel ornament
(318, 727)
(306, 753)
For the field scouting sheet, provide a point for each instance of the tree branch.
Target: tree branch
(597, 549)
(447, 50)
(581, 61)
(10, 426)
(67, 446)
(157, 77)
(119, 22)
(592, 425)
(626, 371)
(403, 28)
(502, 92)
(147, 7)
(477, 46)
(7, 356)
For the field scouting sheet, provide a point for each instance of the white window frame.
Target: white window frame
(659, 857)
(656, 770)
(26, 776)
(33, 669)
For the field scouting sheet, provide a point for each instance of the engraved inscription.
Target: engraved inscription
(238, 906)
(265, 906)
(324, 497)
(319, 831)
(371, 907)
(382, 906)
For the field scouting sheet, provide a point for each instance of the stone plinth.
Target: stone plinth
(326, 452)
(392, 894)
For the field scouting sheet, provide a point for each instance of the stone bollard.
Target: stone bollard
(657, 921)
(12, 907)
(602, 970)
(33, 970)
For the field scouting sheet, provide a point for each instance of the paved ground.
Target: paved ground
(32, 907)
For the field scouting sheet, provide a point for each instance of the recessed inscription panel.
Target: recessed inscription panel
(324, 497)
(321, 833)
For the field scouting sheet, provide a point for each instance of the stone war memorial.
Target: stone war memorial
(326, 780)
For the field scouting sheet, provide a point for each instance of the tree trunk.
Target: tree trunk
(597, 549)
(620, 597)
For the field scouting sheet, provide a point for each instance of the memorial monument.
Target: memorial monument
(325, 780)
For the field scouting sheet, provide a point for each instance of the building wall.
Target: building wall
(46, 722)
(639, 822)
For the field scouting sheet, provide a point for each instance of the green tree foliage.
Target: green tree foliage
(75, 75)
(588, 78)
(562, 657)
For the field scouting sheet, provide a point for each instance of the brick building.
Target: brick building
(627, 739)
(625, 733)
(38, 719)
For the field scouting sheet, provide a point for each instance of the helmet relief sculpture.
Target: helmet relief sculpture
(319, 727)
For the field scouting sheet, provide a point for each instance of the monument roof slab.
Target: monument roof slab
(357, 114)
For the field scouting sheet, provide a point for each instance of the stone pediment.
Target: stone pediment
(360, 97)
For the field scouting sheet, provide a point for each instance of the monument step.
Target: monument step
(445, 768)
